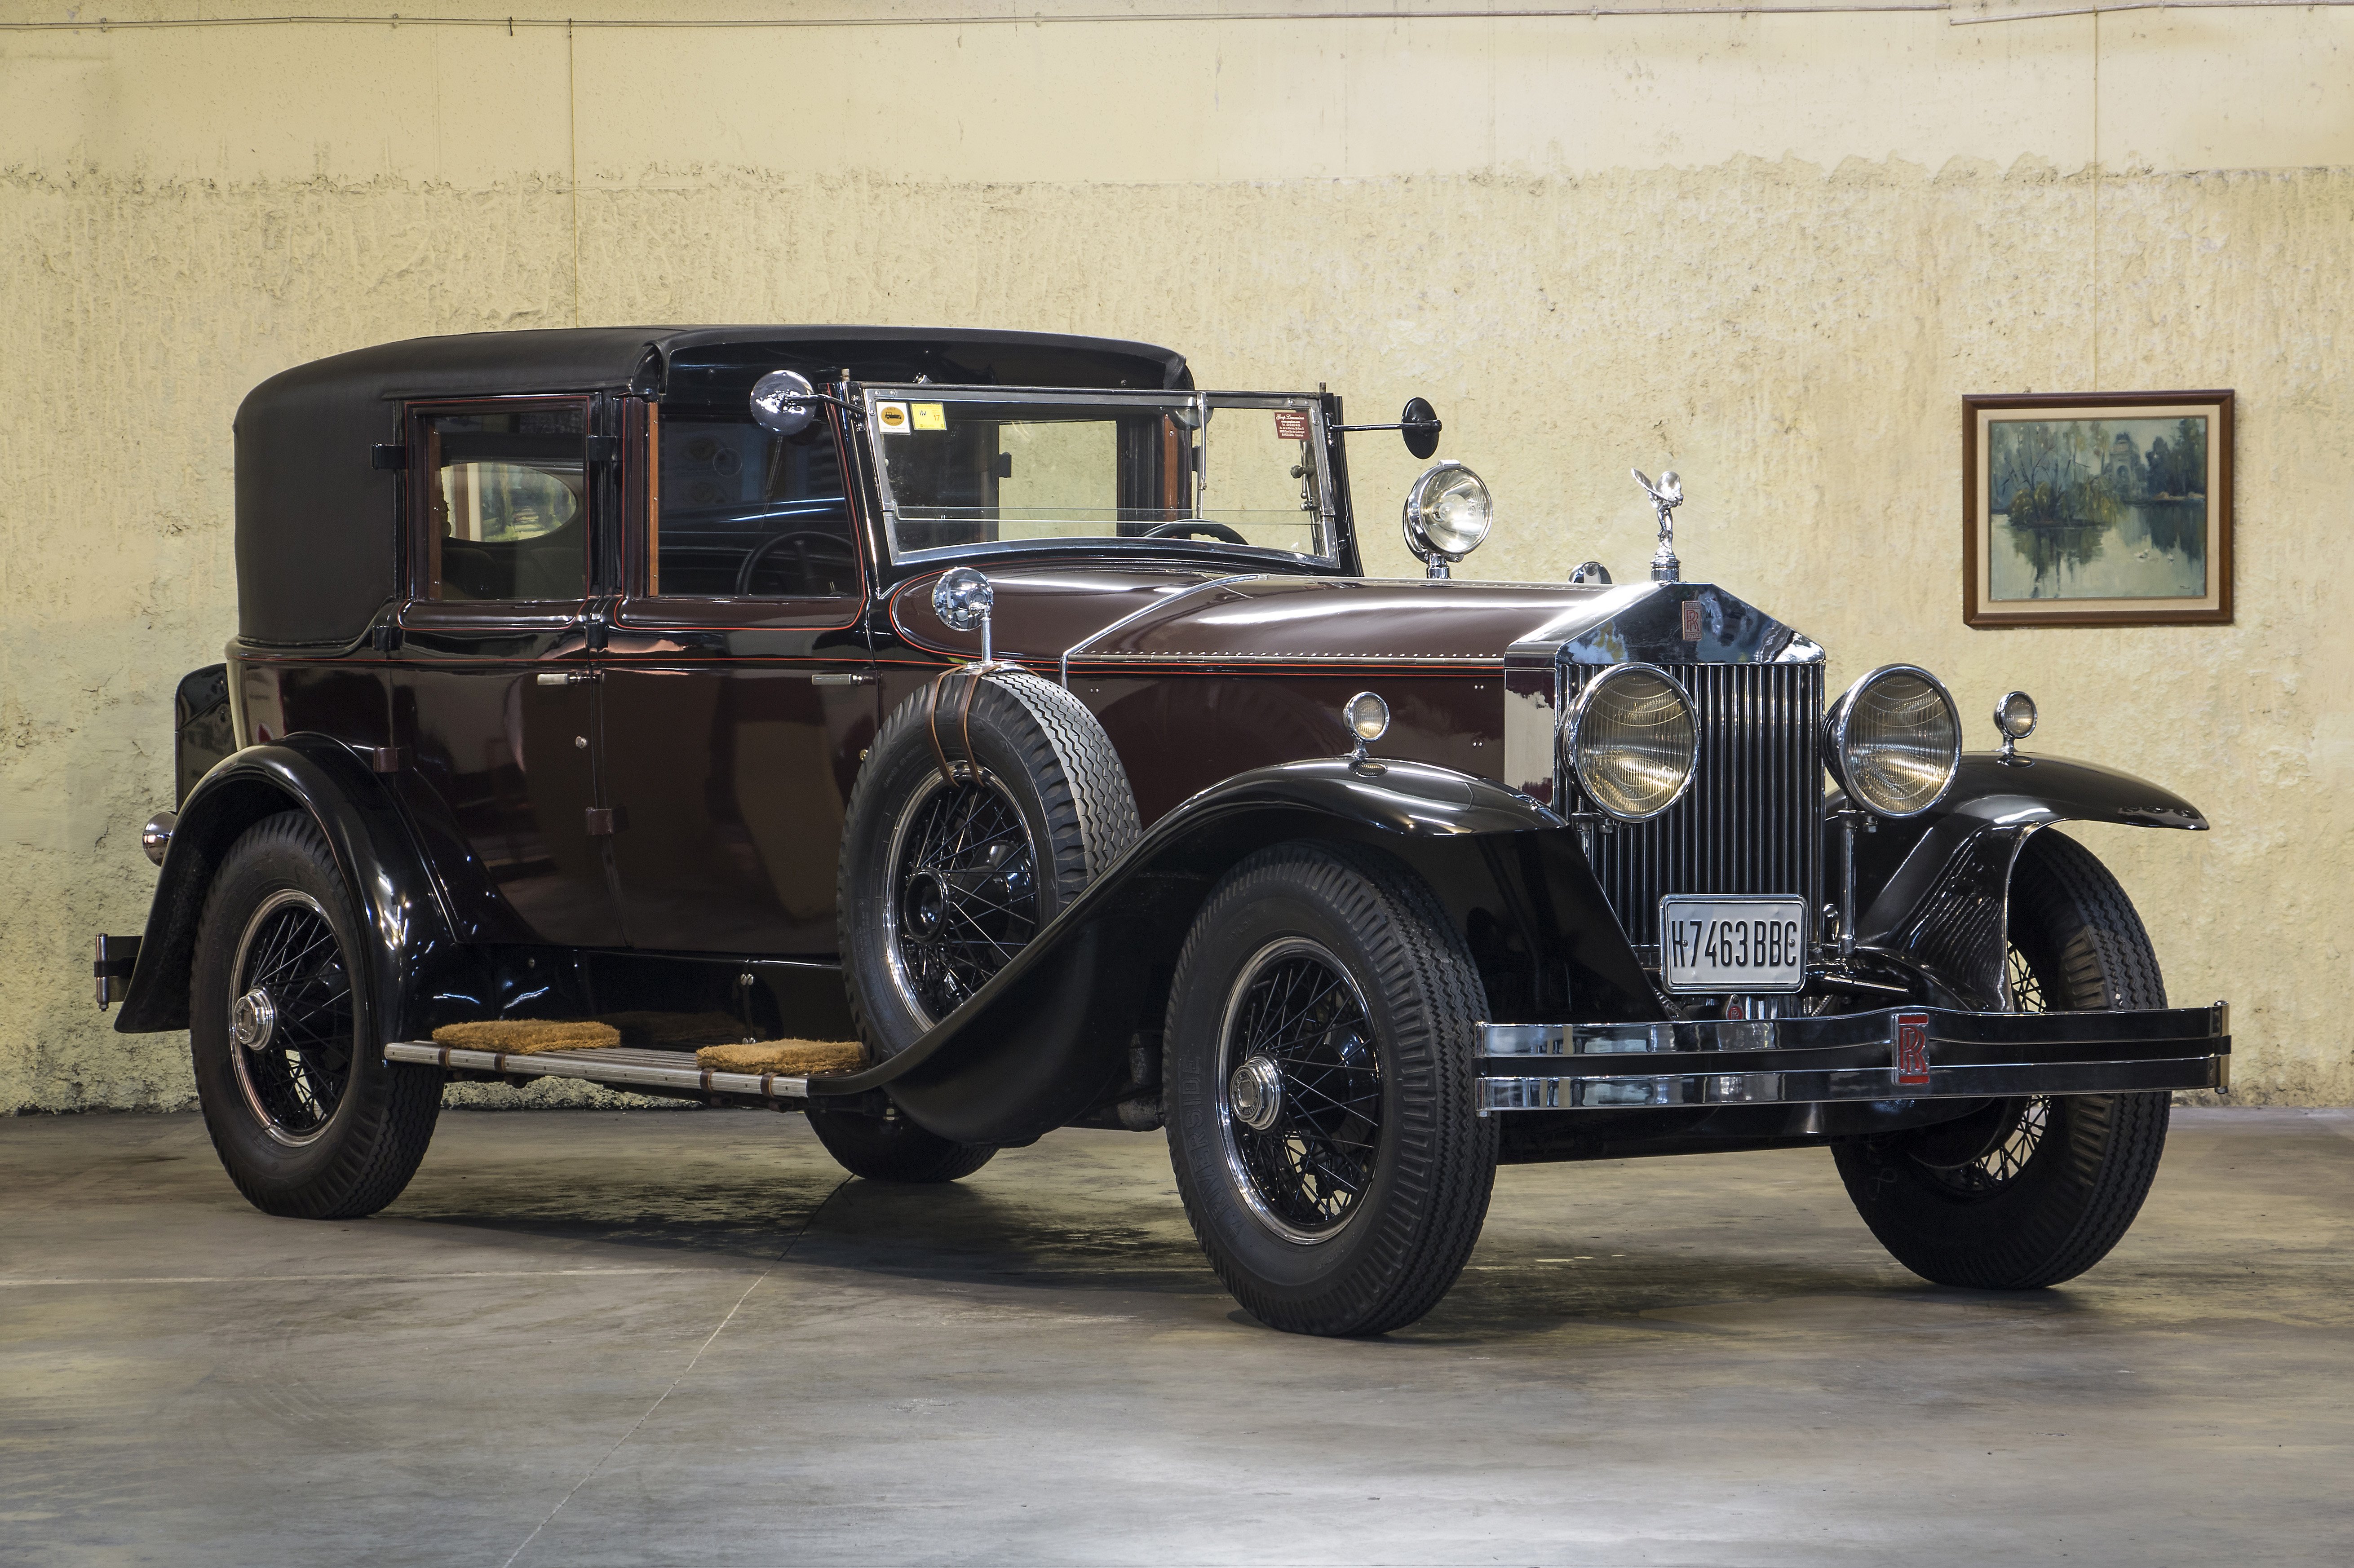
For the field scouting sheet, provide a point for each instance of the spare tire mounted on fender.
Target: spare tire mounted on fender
(988, 802)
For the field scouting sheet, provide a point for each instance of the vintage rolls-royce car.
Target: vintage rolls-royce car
(1014, 709)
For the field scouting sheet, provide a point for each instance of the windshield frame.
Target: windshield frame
(1328, 513)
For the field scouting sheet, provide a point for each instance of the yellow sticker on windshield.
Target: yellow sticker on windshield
(892, 416)
(929, 416)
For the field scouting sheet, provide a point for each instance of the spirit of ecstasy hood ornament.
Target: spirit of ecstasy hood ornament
(1665, 496)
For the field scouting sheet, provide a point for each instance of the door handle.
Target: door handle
(567, 677)
(841, 678)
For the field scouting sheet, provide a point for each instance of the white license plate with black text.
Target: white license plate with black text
(1733, 944)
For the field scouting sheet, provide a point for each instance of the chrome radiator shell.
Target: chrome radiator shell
(1752, 822)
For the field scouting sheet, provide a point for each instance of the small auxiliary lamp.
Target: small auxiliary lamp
(1368, 718)
(2014, 715)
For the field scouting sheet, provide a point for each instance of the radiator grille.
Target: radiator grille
(1748, 824)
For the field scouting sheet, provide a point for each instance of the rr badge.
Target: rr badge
(1912, 1048)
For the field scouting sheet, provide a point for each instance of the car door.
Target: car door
(494, 687)
(739, 692)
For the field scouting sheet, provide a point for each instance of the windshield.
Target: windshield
(984, 466)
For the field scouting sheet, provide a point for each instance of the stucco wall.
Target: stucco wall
(1770, 251)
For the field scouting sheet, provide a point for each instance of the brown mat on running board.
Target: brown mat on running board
(794, 1058)
(525, 1036)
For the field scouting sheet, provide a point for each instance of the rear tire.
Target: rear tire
(308, 1118)
(1321, 1090)
(2030, 1192)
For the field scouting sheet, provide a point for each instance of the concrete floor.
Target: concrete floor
(626, 1338)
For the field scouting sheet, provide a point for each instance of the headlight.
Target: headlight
(1631, 741)
(1447, 512)
(1895, 741)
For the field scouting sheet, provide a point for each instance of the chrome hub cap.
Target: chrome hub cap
(1301, 1115)
(252, 1020)
(1256, 1092)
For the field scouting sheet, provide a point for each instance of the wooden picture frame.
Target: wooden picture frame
(2130, 496)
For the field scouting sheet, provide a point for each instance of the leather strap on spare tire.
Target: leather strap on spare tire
(987, 802)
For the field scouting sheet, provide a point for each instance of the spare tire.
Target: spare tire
(988, 802)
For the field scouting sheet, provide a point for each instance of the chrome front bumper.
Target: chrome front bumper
(1894, 1053)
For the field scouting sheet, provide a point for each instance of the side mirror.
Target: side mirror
(783, 401)
(1419, 424)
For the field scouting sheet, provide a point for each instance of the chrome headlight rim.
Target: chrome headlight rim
(1842, 712)
(1414, 518)
(1573, 750)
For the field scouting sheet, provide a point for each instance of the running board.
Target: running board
(661, 1072)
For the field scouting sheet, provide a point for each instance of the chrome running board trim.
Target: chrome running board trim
(619, 1066)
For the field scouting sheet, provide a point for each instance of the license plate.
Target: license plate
(1733, 944)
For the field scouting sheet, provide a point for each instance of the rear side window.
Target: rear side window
(745, 511)
(507, 504)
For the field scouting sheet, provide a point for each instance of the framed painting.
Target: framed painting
(2104, 509)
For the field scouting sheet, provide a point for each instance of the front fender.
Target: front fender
(1047, 1039)
(1934, 889)
(397, 905)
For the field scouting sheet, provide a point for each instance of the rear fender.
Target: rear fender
(395, 901)
(1047, 1039)
(1935, 889)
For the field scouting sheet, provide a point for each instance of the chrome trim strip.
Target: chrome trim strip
(587, 1064)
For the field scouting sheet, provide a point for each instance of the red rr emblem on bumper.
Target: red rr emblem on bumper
(1912, 1048)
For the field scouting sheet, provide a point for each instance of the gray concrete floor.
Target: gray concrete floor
(655, 1337)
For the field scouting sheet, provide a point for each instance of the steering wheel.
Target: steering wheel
(1185, 527)
(836, 545)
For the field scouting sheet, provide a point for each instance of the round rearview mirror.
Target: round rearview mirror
(780, 401)
(1420, 426)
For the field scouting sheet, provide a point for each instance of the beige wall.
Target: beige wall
(1770, 251)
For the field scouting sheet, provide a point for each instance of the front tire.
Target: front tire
(1322, 1091)
(2025, 1193)
(308, 1118)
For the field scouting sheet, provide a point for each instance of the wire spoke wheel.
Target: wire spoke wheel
(2024, 1193)
(1301, 1110)
(964, 895)
(291, 1019)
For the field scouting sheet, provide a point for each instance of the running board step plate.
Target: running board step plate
(674, 1072)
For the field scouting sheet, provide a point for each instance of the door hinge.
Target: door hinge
(604, 449)
(604, 821)
(389, 454)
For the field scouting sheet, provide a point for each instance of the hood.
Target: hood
(1108, 620)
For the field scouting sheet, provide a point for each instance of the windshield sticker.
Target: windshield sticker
(1292, 424)
(892, 416)
(929, 416)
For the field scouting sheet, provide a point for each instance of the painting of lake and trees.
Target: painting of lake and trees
(2097, 509)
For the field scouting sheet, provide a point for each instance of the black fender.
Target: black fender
(1933, 890)
(1047, 1039)
(394, 898)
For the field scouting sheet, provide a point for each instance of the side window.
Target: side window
(744, 511)
(507, 504)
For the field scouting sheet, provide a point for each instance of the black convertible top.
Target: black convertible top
(318, 527)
